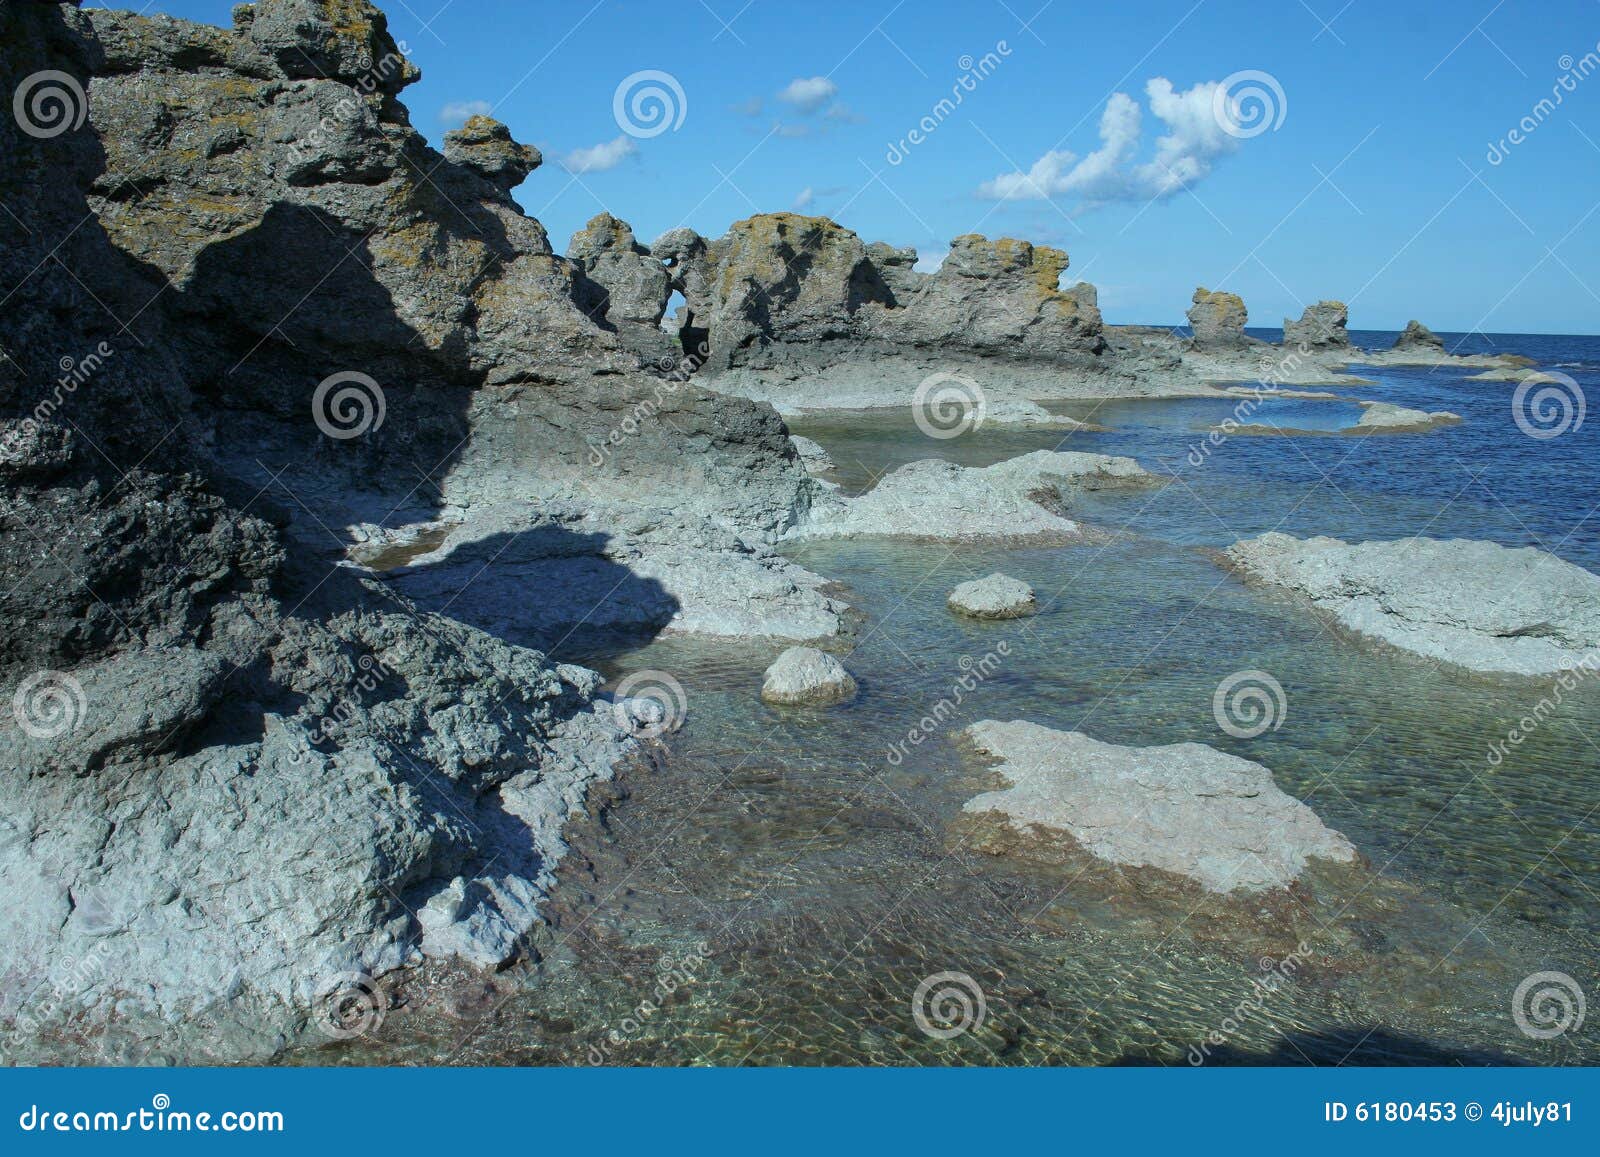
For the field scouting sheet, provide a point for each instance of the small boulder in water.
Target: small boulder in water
(805, 676)
(997, 597)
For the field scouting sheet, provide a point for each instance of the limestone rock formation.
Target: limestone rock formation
(1478, 605)
(1388, 418)
(485, 145)
(1417, 336)
(998, 596)
(1184, 808)
(1024, 497)
(1321, 327)
(807, 677)
(1218, 319)
(253, 309)
(635, 286)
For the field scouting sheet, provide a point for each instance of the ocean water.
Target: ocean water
(797, 885)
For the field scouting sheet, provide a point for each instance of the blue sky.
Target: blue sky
(1371, 181)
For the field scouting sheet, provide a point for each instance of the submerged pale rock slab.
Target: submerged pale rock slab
(1478, 605)
(805, 676)
(938, 500)
(998, 596)
(1388, 418)
(1184, 808)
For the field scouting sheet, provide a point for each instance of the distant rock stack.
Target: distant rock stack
(631, 287)
(1321, 327)
(1417, 336)
(1218, 319)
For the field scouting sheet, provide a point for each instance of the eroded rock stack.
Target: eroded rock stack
(1321, 327)
(1218, 319)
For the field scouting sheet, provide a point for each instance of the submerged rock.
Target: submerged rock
(1183, 808)
(1478, 605)
(1388, 418)
(805, 676)
(996, 597)
(933, 499)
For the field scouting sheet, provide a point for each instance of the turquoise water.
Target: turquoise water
(810, 883)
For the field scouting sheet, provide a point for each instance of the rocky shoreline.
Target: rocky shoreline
(284, 570)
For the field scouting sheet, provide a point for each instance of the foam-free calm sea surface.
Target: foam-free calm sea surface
(798, 886)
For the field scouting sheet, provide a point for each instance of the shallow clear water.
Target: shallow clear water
(826, 881)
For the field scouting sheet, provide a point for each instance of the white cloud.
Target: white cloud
(808, 94)
(599, 158)
(459, 112)
(804, 199)
(749, 108)
(1184, 155)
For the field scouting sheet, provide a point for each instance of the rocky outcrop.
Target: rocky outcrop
(1321, 327)
(267, 312)
(806, 677)
(1388, 418)
(1185, 808)
(1477, 605)
(781, 286)
(1217, 319)
(996, 597)
(1417, 336)
(634, 285)
(935, 500)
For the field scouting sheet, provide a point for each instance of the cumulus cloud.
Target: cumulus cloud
(459, 112)
(808, 94)
(599, 158)
(1185, 154)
